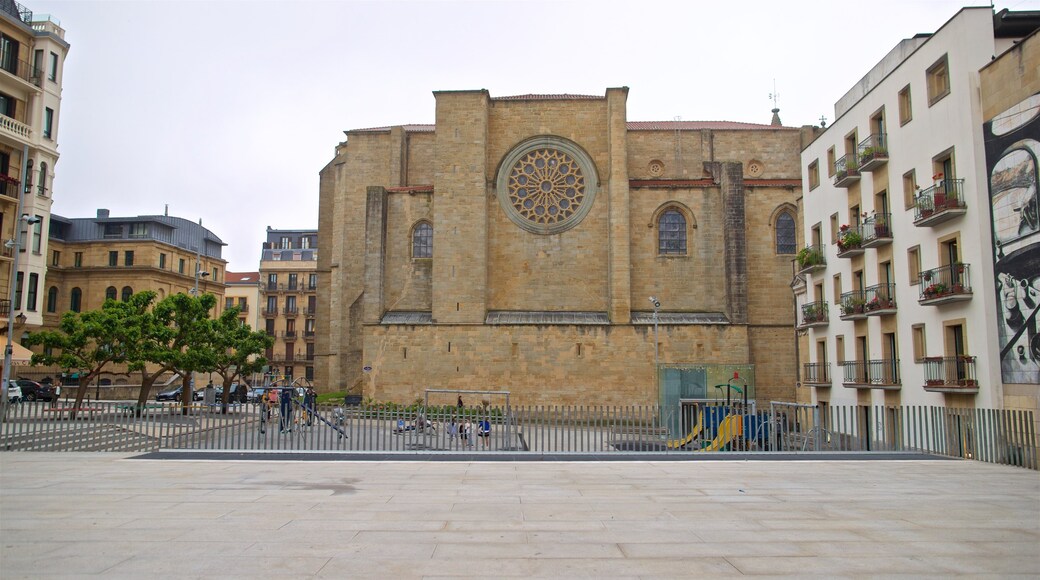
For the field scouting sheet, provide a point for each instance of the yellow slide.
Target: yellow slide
(680, 443)
(730, 428)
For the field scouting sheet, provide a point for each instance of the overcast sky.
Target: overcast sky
(227, 110)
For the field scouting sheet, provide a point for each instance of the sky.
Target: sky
(227, 110)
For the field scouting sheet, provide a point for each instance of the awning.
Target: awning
(19, 354)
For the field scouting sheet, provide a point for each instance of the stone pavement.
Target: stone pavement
(83, 514)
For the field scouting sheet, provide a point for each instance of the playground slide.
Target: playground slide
(730, 428)
(680, 443)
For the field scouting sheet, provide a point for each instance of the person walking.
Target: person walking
(285, 410)
(484, 432)
(459, 404)
(464, 432)
(309, 400)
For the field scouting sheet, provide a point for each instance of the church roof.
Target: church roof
(560, 97)
(700, 125)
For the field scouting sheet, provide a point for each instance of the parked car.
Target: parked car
(33, 391)
(174, 394)
(255, 395)
(14, 393)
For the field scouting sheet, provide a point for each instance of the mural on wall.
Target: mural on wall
(1012, 153)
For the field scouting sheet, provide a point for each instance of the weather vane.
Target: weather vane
(775, 96)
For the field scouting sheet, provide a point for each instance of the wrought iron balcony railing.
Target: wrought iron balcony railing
(814, 314)
(877, 230)
(5, 308)
(811, 258)
(939, 203)
(853, 305)
(846, 170)
(9, 62)
(944, 284)
(291, 311)
(950, 374)
(874, 374)
(269, 311)
(818, 374)
(850, 241)
(873, 152)
(881, 299)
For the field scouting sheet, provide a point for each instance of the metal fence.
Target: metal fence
(991, 435)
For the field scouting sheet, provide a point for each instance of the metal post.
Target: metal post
(9, 350)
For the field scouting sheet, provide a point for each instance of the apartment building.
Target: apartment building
(899, 295)
(32, 59)
(243, 290)
(288, 300)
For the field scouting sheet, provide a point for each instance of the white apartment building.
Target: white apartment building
(899, 296)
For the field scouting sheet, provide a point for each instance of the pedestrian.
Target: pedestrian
(453, 429)
(484, 432)
(459, 404)
(464, 432)
(285, 410)
(309, 399)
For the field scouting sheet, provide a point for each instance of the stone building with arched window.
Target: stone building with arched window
(514, 245)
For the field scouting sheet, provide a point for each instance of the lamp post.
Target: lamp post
(198, 274)
(17, 245)
(657, 306)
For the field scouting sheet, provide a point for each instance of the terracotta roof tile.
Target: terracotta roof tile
(241, 277)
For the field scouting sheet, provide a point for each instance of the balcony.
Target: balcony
(5, 308)
(312, 287)
(814, 314)
(308, 335)
(13, 128)
(21, 69)
(243, 308)
(271, 287)
(950, 374)
(310, 312)
(291, 311)
(850, 241)
(873, 152)
(940, 203)
(945, 284)
(881, 300)
(846, 171)
(817, 374)
(292, 287)
(810, 259)
(853, 305)
(872, 374)
(877, 230)
(269, 311)
(288, 334)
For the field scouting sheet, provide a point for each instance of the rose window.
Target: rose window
(546, 186)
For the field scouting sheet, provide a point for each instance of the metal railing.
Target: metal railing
(811, 257)
(816, 373)
(941, 372)
(880, 372)
(876, 229)
(880, 297)
(992, 435)
(269, 311)
(874, 147)
(945, 281)
(846, 167)
(947, 194)
(815, 313)
(853, 304)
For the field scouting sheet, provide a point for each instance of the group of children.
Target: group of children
(463, 429)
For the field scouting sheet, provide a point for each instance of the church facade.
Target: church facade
(547, 246)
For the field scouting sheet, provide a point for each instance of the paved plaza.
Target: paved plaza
(110, 515)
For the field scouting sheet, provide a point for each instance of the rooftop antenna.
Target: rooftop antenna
(775, 97)
(166, 212)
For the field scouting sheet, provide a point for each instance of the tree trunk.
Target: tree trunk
(186, 393)
(147, 380)
(81, 393)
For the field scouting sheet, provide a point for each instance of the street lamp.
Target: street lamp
(198, 274)
(657, 306)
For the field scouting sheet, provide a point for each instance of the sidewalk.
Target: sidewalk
(83, 514)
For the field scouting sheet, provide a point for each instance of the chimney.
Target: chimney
(102, 214)
(776, 118)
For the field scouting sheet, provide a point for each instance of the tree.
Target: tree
(236, 349)
(90, 341)
(183, 335)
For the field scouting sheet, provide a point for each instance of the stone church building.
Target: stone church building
(524, 244)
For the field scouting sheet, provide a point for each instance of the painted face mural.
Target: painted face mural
(1012, 153)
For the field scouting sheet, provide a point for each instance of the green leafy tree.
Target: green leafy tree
(185, 334)
(90, 341)
(237, 349)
